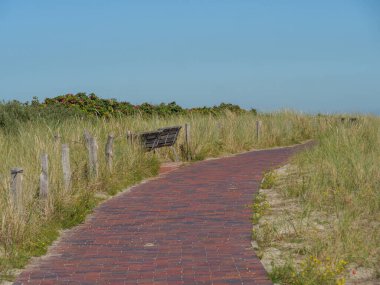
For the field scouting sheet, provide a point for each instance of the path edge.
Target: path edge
(35, 260)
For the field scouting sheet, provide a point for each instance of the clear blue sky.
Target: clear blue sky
(268, 54)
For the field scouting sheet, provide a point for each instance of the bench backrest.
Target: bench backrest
(149, 140)
(168, 136)
(160, 138)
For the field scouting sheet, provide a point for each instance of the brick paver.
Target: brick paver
(190, 226)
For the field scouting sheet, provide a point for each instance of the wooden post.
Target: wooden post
(92, 147)
(130, 137)
(87, 137)
(57, 142)
(44, 178)
(94, 155)
(188, 141)
(16, 188)
(109, 151)
(66, 167)
(258, 127)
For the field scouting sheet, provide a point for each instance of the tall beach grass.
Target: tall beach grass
(341, 177)
(337, 186)
(28, 233)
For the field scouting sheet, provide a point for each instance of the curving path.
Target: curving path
(190, 226)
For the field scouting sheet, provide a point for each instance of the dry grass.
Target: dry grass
(329, 213)
(25, 234)
(341, 177)
(338, 178)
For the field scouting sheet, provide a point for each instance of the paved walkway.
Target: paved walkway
(190, 226)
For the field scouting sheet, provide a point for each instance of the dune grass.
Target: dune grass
(338, 177)
(336, 187)
(341, 176)
(29, 232)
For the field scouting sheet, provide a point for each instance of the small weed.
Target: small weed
(265, 235)
(259, 206)
(269, 180)
(312, 271)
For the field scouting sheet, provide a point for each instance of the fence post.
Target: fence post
(57, 142)
(109, 151)
(130, 137)
(188, 141)
(16, 188)
(258, 127)
(66, 167)
(44, 178)
(92, 147)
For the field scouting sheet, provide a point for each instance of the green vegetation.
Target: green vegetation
(328, 219)
(269, 180)
(312, 272)
(259, 206)
(28, 233)
(339, 177)
(90, 107)
(28, 130)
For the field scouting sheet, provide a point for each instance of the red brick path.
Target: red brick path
(191, 226)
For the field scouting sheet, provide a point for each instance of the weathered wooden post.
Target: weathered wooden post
(16, 188)
(130, 137)
(92, 147)
(109, 151)
(66, 167)
(44, 178)
(188, 141)
(258, 128)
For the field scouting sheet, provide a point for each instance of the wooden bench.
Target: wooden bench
(160, 138)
